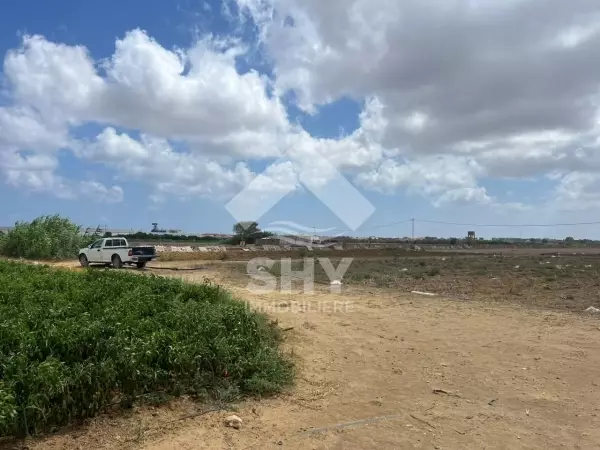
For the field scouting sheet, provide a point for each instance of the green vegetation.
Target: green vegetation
(434, 271)
(47, 237)
(247, 232)
(74, 343)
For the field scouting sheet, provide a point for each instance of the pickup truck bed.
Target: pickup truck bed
(144, 251)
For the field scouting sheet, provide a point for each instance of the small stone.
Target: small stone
(233, 421)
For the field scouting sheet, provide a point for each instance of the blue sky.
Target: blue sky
(99, 131)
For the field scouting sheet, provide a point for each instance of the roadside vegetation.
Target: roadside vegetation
(47, 237)
(73, 344)
(246, 232)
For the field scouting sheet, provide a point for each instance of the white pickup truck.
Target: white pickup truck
(116, 251)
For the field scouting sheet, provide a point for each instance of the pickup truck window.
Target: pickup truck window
(115, 243)
(97, 244)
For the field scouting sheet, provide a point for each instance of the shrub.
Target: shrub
(73, 343)
(433, 271)
(47, 237)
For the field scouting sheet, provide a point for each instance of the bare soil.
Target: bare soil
(567, 282)
(238, 254)
(379, 367)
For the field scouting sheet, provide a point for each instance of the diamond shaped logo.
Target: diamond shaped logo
(330, 187)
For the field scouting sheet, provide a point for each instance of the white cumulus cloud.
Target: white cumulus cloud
(454, 93)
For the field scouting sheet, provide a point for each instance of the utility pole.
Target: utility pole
(413, 229)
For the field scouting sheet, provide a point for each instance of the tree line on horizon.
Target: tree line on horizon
(51, 232)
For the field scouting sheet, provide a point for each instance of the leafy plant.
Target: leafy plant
(245, 230)
(73, 343)
(47, 237)
(2, 241)
(434, 271)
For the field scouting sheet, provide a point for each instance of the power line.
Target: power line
(377, 226)
(489, 225)
(481, 225)
(383, 226)
(511, 225)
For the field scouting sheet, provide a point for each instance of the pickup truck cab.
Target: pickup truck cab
(116, 251)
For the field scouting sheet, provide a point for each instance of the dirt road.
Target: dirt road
(393, 371)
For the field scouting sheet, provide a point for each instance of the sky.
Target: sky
(343, 117)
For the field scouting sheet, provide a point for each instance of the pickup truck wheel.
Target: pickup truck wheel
(140, 265)
(116, 262)
(83, 261)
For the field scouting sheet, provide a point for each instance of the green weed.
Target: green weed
(74, 343)
(47, 237)
(434, 271)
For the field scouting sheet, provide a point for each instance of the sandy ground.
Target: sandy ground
(392, 370)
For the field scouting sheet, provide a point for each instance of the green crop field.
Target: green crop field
(74, 343)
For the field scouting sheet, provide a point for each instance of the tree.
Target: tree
(246, 230)
(453, 241)
(569, 239)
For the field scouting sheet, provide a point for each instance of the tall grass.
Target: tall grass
(47, 237)
(73, 343)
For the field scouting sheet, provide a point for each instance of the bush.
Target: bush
(73, 343)
(47, 237)
(433, 271)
